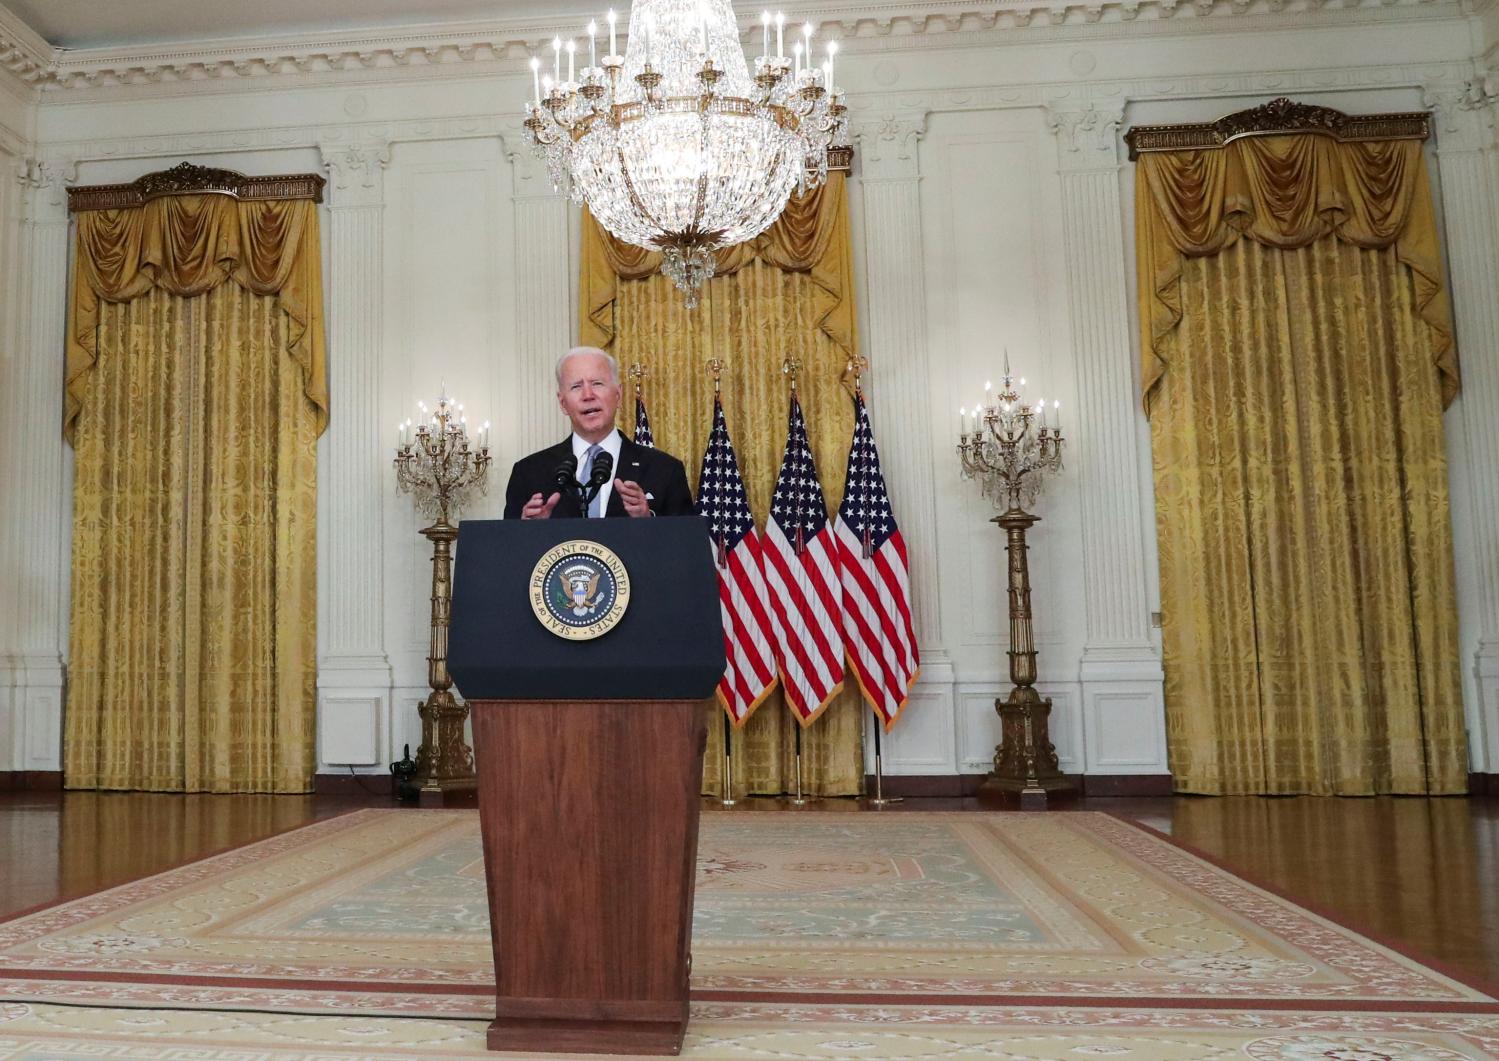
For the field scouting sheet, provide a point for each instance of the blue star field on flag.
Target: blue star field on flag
(866, 504)
(798, 504)
(720, 493)
(642, 436)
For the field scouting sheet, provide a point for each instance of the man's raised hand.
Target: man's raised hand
(539, 507)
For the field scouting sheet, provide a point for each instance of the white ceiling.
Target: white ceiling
(105, 23)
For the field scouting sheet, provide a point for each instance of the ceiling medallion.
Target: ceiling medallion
(674, 146)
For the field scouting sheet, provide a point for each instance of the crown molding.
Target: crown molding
(867, 109)
(24, 56)
(863, 25)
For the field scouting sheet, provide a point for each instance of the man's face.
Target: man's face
(588, 396)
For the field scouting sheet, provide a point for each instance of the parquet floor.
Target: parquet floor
(1420, 872)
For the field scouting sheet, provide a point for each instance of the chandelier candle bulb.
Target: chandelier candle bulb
(536, 78)
(796, 59)
(593, 34)
(556, 60)
(765, 34)
(832, 51)
(780, 31)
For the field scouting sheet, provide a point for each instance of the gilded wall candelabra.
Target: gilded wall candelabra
(1007, 446)
(442, 472)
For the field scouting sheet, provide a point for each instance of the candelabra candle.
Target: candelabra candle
(440, 469)
(1009, 449)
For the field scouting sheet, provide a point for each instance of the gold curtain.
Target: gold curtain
(788, 293)
(194, 405)
(1295, 381)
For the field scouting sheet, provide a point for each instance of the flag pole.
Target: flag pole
(800, 799)
(728, 799)
(880, 799)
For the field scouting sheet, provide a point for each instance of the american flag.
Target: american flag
(642, 436)
(801, 571)
(737, 549)
(876, 582)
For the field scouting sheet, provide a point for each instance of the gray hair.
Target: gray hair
(579, 351)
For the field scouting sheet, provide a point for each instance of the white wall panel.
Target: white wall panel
(995, 282)
(448, 302)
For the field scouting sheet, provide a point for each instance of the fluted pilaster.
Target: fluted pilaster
(1123, 705)
(894, 297)
(37, 527)
(896, 345)
(354, 678)
(544, 277)
(1468, 150)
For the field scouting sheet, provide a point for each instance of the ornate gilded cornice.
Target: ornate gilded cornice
(188, 179)
(1277, 117)
(840, 159)
(872, 25)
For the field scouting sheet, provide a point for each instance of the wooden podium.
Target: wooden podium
(589, 806)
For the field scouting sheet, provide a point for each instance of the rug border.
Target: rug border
(73, 897)
(1351, 924)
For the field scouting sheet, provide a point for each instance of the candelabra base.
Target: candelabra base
(1042, 795)
(1026, 770)
(444, 763)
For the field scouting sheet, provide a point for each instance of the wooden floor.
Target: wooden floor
(1420, 872)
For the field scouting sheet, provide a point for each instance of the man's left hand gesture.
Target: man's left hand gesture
(632, 496)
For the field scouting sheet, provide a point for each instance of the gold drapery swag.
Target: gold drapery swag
(187, 245)
(810, 236)
(788, 293)
(1295, 381)
(194, 396)
(1283, 191)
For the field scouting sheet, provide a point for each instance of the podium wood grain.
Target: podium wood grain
(589, 813)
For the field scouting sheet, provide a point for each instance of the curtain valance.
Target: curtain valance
(1284, 191)
(187, 245)
(811, 236)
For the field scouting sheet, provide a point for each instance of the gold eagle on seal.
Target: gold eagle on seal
(580, 587)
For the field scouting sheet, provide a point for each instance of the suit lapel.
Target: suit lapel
(631, 468)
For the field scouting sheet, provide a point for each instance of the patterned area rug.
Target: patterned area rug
(720, 1030)
(383, 913)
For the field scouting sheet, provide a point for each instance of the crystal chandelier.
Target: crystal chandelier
(675, 146)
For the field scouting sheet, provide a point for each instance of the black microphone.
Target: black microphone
(565, 477)
(603, 469)
(601, 472)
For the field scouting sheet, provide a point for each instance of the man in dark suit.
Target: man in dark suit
(647, 482)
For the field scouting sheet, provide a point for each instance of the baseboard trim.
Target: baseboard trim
(1483, 784)
(1101, 785)
(960, 786)
(30, 780)
(373, 786)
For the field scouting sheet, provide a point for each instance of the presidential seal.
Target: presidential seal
(579, 590)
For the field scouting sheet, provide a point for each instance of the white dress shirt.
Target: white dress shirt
(610, 443)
